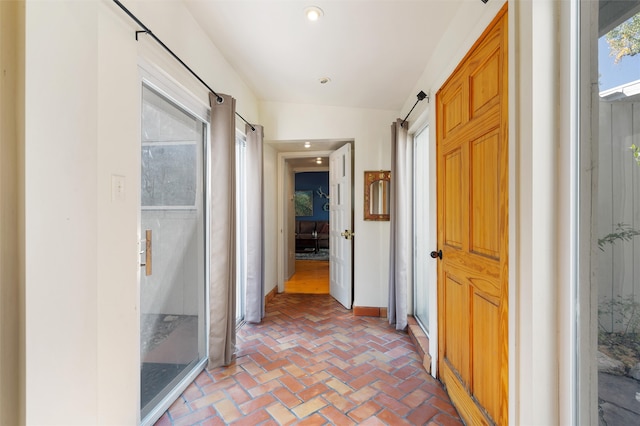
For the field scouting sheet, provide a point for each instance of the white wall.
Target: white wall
(543, 228)
(118, 106)
(370, 130)
(81, 127)
(61, 184)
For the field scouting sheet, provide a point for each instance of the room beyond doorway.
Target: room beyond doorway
(293, 157)
(311, 277)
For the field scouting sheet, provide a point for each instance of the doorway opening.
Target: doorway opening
(311, 229)
(307, 252)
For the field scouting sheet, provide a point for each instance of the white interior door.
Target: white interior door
(340, 226)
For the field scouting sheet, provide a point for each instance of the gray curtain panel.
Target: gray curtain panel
(222, 286)
(254, 308)
(400, 238)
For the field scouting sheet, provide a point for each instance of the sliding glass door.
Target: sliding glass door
(614, 185)
(172, 283)
(424, 266)
(241, 226)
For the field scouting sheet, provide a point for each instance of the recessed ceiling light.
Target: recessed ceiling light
(324, 80)
(313, 13)
(319, 161)
(307, 144)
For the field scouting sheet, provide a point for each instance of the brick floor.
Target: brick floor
(311, 362)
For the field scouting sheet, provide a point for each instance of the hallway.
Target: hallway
(312, 362)
(311, 277)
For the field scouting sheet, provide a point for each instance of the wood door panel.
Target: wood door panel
(485, 71)
(485, 195)
(472, 169)
(486, 354)
(453, 109)
(471, 265)
(484, 84)
(453, 202)
(489, 289)
(457, 319)
(474, 128)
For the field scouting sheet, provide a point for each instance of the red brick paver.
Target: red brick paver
(311, 362)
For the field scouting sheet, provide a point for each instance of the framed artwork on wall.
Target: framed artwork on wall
(303, 202)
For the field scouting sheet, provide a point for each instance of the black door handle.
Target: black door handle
(435, 254)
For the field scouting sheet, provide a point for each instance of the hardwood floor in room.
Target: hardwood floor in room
(311, 277)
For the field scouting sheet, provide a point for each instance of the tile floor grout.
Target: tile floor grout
(311, 362)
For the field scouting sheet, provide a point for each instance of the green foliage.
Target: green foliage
(624, 40)
(622, 232)
(624, 313)
(636, 153)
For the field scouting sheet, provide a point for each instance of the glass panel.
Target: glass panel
(165, 180)
(172, 302)
(617, 213)
(422, 261)
(241, 223)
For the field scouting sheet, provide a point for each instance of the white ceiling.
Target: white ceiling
(314, 145)
(373, 51)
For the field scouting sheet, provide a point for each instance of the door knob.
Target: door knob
(347, 234)
(435, 254)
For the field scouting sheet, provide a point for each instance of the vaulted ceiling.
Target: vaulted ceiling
(373, 52)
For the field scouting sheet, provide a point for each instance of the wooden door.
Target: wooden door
(472, 167)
